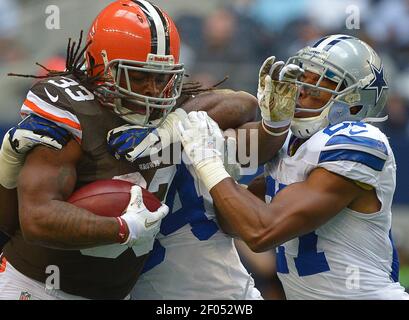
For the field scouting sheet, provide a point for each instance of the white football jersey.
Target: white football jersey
(192, 258)
(352, 256)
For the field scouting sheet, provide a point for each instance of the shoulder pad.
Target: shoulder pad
(356, 150)
(54, 99)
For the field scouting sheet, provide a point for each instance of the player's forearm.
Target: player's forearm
(267, 145)
(263, 226)
(61, 225)
(228, 108)
(246, 214)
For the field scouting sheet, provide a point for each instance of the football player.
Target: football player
(53, 232)
(72, 113)
(329, 191)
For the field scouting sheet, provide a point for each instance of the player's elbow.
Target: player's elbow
(31, 224)
(261, 241)
(30, 233)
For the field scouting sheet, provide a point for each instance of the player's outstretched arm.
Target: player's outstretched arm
(230, 109)
(296, 210)
(238, 110)
(258, 188)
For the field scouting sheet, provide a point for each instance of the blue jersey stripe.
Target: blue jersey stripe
(156, 256)
(359, 141)
(367, 159)
(395, 260)
(281, 261)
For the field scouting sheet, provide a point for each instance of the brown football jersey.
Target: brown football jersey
(73, 107)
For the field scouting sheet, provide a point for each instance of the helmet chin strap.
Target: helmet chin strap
(306, 127)
(373, 119)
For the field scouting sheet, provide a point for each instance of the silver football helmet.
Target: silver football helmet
(360, 77)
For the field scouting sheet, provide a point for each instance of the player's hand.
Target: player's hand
(131, 142)
(143, 225)
(201, 137)
(30, 132)
(277, 93)
(203, 144)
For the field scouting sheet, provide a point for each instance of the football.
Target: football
(109, 198)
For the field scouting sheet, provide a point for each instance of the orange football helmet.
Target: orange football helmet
(135, 36)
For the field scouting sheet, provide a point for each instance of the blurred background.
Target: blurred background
(229, 38)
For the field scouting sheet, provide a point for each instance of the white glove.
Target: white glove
(143, 225)
(203, 144)
(128, 141)
(277, 93)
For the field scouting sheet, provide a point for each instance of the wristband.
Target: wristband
(211, 173)
(271, 133)
(122, 231)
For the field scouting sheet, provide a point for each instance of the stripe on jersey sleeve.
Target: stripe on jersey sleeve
(370, 152)
(63, 118)
(352, 155)
(378, 147)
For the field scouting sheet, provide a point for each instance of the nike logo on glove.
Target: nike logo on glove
(52, 98)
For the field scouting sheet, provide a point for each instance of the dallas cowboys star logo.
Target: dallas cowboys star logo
(378, 82)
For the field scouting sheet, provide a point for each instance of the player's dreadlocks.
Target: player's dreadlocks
(75, 62)
(74, 65)
(195, 87)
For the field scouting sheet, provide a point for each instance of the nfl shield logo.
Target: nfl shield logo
(25, 295)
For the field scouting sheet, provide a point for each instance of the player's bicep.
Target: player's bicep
(48, 175)
(303, 207)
